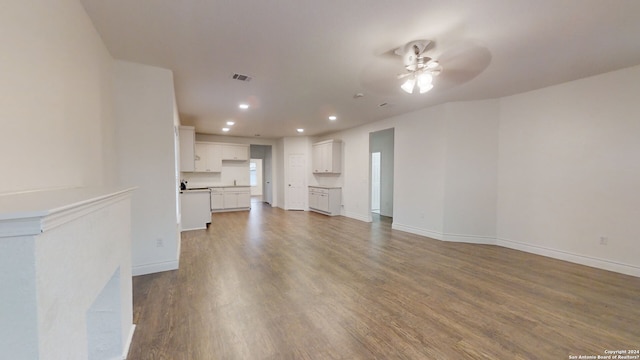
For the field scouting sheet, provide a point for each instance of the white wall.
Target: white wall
(549, 171)
(55, 98)
(471, 171)
(569, 171)
(58, 131)
(144, 109)
(419, 148)
(420, 172)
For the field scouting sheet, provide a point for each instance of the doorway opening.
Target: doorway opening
(261, 161)
(255, 180)
(375, 182)
(381, 144)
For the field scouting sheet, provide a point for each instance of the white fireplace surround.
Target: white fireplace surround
(65, 274)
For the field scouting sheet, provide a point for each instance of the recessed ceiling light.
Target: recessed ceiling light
(243, 106)
(225, 129)
(332, 117)
(300, 130)
(230, 123)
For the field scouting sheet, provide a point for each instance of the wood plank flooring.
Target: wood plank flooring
(274, 284)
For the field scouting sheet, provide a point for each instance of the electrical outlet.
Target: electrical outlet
(604, 240)
(159, 242)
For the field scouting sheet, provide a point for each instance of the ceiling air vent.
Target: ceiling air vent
(241, 77)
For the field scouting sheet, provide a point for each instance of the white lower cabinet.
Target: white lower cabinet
(230, 198)
(325, 200)
(217, 199)
(195, 209)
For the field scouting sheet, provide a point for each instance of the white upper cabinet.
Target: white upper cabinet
(208, 157)
(235, 152)
(187, 135)
(327, 157)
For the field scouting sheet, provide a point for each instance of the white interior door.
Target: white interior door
(296, 191)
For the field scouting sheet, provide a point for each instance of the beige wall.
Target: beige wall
(55, 98)
(569, 171)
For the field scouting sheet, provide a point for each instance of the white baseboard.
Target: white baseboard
(471, 239)
(533, 249)
(145, 269)
(351, 215)
(125, 351)
(570, 257)
(356, 216)
(418, 231)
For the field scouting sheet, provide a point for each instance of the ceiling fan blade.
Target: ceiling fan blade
(461, 63)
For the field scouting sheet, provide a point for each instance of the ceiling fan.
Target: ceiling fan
(420, 69)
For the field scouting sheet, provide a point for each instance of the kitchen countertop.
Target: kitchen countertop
(195, 190)
(325, 187)
(214, 187)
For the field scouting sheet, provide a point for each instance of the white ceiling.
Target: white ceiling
(308, 58)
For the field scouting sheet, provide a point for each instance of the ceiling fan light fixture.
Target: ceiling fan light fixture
(425, 79)
(408, 85)
(425, 87)
(433, 64)
(420, 68)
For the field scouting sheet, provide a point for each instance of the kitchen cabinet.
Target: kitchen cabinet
(208, 157)
(187, 136)
(325, 200)
(230, 198)
(217, 199)
(327, 157)
(195, 209)
(235, 152)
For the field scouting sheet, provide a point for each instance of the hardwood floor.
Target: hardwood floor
(274, 284)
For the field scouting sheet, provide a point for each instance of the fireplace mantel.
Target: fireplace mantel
(65, 268)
